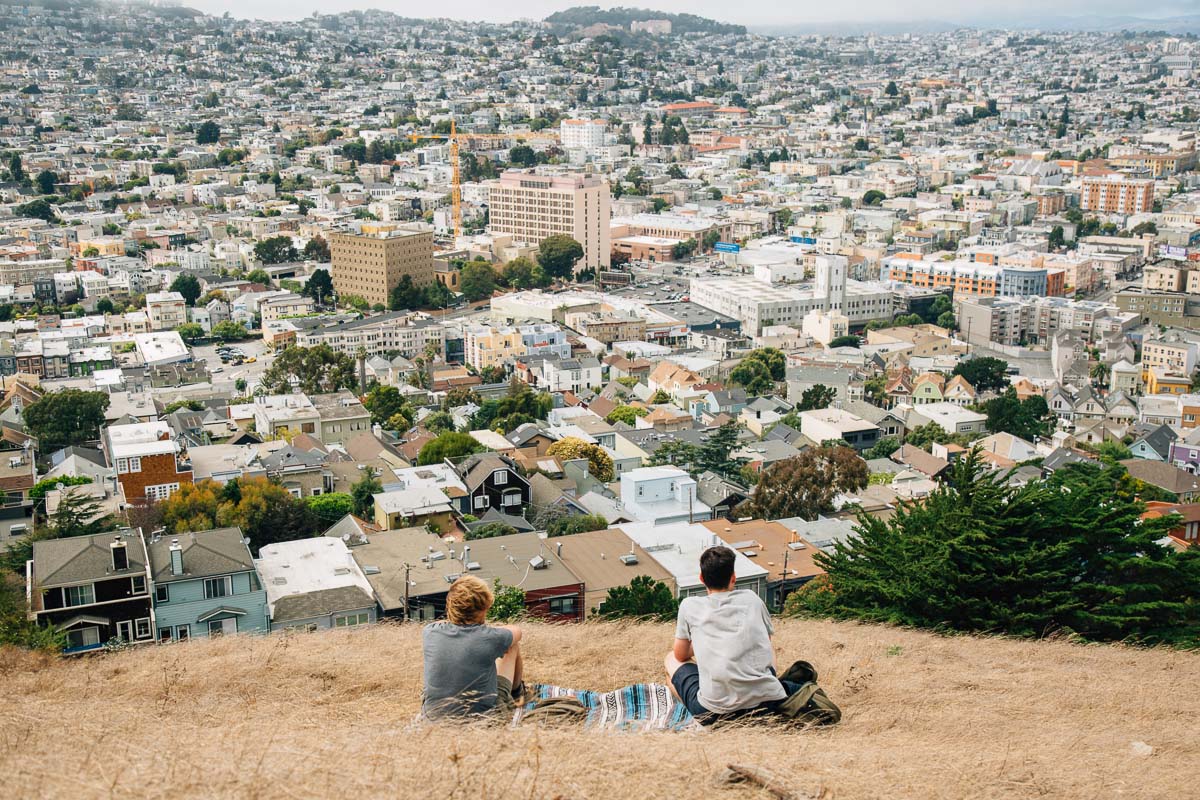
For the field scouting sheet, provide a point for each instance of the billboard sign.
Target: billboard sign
(727, 247)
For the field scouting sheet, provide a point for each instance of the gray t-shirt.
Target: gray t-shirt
(460, 668)
(730, 634)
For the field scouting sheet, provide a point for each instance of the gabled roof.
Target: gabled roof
(85, 558)
(1164, 476)
(925, 463)
(205, 553)
(1159, 440)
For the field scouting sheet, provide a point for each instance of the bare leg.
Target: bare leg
(512, 666)
(671, 664)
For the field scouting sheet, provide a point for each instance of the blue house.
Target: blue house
(205, 584)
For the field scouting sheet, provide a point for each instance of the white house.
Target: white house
(662, 495)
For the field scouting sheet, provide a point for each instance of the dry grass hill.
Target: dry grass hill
(332, 715)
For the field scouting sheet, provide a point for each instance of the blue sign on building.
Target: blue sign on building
(727, 247)
(803, 240)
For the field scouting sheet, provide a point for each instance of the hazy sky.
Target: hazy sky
(747, 12)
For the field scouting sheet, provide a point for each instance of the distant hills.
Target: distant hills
(585, 16)
(1111, 24)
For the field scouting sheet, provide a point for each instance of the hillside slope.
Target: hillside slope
(332, 715)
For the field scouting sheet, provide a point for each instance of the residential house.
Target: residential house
(1187, 532)
(279, 416)
(1155, 444)
(150, 464)
(786, 555)
(604, 560)
(316, 583)
(661, 495)
(677, 546)
(342, 417)
(95, 588)
(826, 424)
(492, 481)
(405, 508)
(763, 412)
(205, 584)
(1184, 485)
(411, 571)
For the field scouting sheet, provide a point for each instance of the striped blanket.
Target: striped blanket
(638, 707)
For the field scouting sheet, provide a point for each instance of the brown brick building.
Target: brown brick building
(149, 463)
(371, 264)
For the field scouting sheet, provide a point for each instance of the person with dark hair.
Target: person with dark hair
(723, 663)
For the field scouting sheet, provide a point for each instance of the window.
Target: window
(565, 606)
(296, 492)
(160, 491)
(220, 627)
(512, 499)
(135, 464)
(142, 627)
(218, 587)
(162, 594)
(481, 502)
(122, 465)
(83, 637)
(501, 477)
(138, 584)
(164, 634)
(361, 618)
(183, 632)
(79, 595)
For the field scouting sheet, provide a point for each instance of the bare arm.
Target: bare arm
(515, 631)
(683, 650)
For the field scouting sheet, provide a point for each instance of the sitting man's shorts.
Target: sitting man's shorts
(686, 682)
(505, 704)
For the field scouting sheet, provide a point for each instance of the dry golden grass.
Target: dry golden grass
(332, 715)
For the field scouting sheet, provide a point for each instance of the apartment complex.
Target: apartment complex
(532, 207)
(166, 310)
(1116, 193)
(582, 134)
(1032, 320)
(977, 278)
(370, 264)
(394, 332)
(150, 464)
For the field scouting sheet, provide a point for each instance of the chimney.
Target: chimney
(120, 556)
(176, 557)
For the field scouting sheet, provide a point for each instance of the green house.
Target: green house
(205, 584)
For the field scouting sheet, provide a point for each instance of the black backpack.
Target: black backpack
(809, 704)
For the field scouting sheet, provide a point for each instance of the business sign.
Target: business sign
(803, 240)
(1172, 251)
(727, 247)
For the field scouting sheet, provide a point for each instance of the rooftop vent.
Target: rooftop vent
(629, 559)
(370, 570)
(537, 562)
(797, 546)
(472, 566)
(453, 578)
(281, 581)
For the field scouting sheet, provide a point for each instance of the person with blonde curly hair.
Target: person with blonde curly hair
(471, 668)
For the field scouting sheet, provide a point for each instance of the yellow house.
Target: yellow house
(1160, 381)
(491, 347)
(418, 506)
(103, 245)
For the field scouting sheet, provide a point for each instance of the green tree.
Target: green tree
(37, 209)
(713, 454)
(754, 376)
(816, 397)
(190, 332)
(363, 491)
(330, 507)
(883, 448)
(521, 273)
(227, 331)
(448, 445)
(312, 370)
(104, 306)
(558, 255)
(317, 249)
(580, 523)
(845, 341)
(928, 434)
(385, 402)
(319, 286)
(46, 181)
(984, 373)
(491, 530)
(405, 295)
(873, 197)
(438, 422)
(947, 320)
(478, 280)
(891, 90)
(1057, 238)
(806, 485)
(66, 417)
(1071, 553)
(46, 484)
(276, 250)
(259, 276)
(1029, 418)
(509, 603)
(600, 463)
(626, 414)
(644, 598)
(771, 357)
(208, 133)
(188, 286)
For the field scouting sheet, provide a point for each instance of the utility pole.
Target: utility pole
(407, 568)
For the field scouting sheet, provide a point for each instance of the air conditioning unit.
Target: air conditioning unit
(537, 562)
(629, 559)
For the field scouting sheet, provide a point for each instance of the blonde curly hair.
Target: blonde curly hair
(468, 601)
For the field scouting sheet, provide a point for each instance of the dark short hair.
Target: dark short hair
(716, 567)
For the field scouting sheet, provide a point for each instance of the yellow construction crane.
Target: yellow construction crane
(454, 137)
